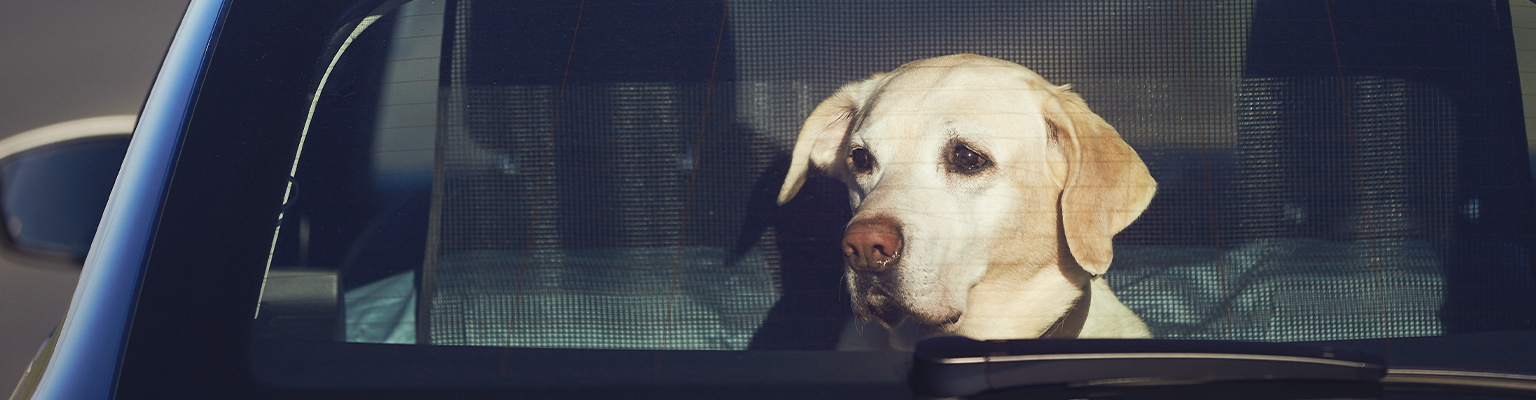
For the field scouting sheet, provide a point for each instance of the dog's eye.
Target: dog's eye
(964, 160)
(862, 160)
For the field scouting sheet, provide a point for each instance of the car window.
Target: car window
(481, 175)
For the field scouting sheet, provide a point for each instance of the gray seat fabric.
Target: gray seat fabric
(628, 298)
(1282, 290)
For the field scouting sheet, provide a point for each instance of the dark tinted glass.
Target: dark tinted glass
(602, 176)
(1364, 183)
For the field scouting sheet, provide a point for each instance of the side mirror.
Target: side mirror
(54, 184)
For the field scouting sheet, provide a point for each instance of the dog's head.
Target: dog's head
(960, 164)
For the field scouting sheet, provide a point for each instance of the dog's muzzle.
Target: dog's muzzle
(872, 250)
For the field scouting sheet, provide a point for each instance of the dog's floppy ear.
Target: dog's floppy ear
(1107, 185)
(823, 135)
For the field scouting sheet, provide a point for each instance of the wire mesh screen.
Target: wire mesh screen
(595, 206)
(606, 171)
(1333, 219)
(578, 239)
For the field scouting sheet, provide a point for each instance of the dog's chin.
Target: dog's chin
(873, 303)
(945, 322)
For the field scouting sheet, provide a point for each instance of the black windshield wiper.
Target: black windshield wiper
(957, 366)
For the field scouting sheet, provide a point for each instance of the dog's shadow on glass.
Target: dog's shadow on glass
(807, 233)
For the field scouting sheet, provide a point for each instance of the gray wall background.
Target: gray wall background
(62, 60)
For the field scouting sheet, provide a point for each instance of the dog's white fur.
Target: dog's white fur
(1000, 254)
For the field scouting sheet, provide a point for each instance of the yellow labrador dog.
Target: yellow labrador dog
(984, 200)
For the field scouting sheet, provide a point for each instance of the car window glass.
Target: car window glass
(606, 176)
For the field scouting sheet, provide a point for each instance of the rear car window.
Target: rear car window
(476, 176)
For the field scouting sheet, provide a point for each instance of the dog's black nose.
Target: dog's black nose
(872, 244)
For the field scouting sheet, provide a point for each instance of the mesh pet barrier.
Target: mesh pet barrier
(597, 211)
(611, 185)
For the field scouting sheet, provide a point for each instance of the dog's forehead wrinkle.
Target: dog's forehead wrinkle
(862, 111)
(846, 114)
